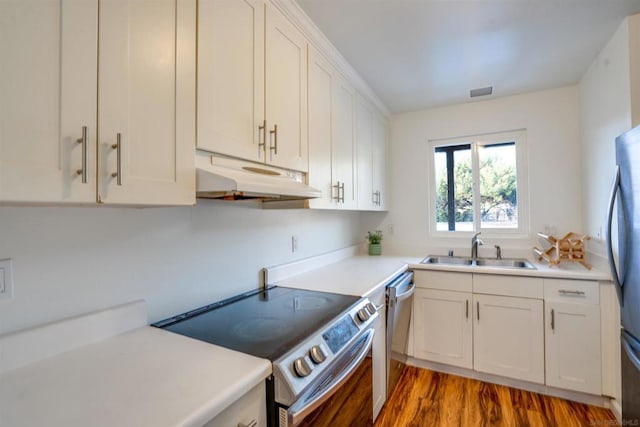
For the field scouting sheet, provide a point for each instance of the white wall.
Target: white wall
(606, 112)
(551, 119)
(70, 260)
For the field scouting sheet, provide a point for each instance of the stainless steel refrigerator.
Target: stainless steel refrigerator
(626, 275)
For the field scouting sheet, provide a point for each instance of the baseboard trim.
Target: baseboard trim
(616, 408)
(589, 399)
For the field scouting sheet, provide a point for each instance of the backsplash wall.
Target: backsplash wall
(70, 260)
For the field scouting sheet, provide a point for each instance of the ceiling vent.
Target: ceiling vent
(483, 91)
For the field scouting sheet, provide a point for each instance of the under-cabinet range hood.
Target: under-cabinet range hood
(219, 177)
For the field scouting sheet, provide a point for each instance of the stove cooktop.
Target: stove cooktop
(265, 324)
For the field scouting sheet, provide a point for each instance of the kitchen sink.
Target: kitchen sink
(515, 263)
(505, 263)
(446, 260)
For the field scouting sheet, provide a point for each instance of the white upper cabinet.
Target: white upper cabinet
(364, 132)
(331, 136)
(252, 84)
(136, 75)
(285, 93)
(379, 160)
(321, 81)
(231, 77)
(47, 97)
(343, 121)
(146, 102)
(372, 142)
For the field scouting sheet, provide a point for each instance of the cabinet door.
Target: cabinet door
(285, 93)
(379, 354)
(321, 82)
(572, 333)
(231, 77)
(244, 411)
(147, 102)
(443, 327)
(379, 159)
(48, 81)
(364, 135)
(344, 102)
(508, 337)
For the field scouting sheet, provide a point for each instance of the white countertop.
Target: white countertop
(562, 271)
(145, 377)
(363, 275)
(360, 275)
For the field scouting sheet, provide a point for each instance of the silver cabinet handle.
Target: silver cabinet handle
(467, 310)
(274, 132)
(118, 147)
(83, 141)
(337, 187)
(341, 189)
(567, 292)
(252, 423)
(376, 198)
(262, 137)
(478, 310)
(553, 320)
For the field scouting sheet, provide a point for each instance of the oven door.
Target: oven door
(343, 396)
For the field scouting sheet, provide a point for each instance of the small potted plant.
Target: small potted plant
(375, 248)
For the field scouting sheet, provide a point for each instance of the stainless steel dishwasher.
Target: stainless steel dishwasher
(399, 303)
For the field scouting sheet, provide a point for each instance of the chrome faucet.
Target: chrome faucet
(475, 241)
(498, 252)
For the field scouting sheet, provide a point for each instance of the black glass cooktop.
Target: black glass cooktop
(266, 323)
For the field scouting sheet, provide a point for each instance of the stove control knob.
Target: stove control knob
(363, 315)
(301, 367)
(371, 308)
(317, 355)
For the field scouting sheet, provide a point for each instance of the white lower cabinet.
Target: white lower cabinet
(379, 354)
(508, 337)
(545, 331)
(572, 337)
(250, 407)
(443, 327)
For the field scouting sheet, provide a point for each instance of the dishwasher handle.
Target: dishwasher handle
(406, 294)
(399, 284)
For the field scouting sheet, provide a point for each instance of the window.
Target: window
(479, 184)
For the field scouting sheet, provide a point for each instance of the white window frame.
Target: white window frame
(522, 186)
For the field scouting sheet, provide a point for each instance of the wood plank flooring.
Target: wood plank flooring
(427, 398)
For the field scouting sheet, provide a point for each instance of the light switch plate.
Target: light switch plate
(6, 279)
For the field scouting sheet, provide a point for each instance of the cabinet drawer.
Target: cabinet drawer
(572, 291)
(460, 282)
(512, 286)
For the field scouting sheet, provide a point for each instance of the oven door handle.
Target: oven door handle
(302, 407)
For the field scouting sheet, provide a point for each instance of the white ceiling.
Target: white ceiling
(423, 53)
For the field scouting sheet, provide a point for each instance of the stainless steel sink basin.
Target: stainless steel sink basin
(446, 260)
(505, 263)
(517, 263)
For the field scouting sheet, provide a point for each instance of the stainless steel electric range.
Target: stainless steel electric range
(319, 344)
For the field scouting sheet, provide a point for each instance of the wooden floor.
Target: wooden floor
(427, 398)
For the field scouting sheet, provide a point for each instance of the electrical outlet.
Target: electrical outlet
(6, 279)
(390, 229)
(294, 243)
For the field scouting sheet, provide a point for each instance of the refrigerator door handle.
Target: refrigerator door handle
(612, 263)
(632, 350)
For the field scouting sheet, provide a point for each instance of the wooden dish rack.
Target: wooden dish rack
(570, 248)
